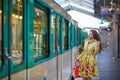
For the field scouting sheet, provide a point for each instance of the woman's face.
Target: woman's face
(90, 35)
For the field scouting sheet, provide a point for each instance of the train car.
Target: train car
(38, 40)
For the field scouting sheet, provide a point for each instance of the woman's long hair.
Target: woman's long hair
(97, 37)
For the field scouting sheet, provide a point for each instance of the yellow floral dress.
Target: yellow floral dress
(88, 61)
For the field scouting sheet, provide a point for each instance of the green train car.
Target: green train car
(38, 40)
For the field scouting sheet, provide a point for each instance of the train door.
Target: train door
(71, 47)
(71, 36)
(59, 58)
(56, 23)
(12, 40)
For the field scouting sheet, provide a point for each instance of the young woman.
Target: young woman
(88, 61)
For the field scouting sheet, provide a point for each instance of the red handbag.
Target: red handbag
(76, 72)
(76, 69)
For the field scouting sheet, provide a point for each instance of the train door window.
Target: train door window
(59, 39)
(79, 36)
(40, 33)
(75, 35)
(71, 35)
(54, 33)
(17, 32)
(0, 33)
(65, 34)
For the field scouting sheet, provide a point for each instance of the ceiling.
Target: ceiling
(85, 6)
(90, 7)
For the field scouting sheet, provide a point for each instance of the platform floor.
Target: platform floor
(109, 69)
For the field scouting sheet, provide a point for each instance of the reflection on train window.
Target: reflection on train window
(17, 32)
(0, 33)
(76, 36)
(65, 34)
(40, 34)
(58, 31)
(54, 33)
(71, 35)
(79, 37)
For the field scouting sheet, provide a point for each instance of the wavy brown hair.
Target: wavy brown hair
(97, 37)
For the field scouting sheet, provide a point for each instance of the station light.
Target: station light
(109, 29)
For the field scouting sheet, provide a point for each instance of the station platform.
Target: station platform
(109, 69)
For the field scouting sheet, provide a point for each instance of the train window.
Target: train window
(77, 41)
(71, 35)
(59, 39)
(79, 36)
(17, 32)
(0, 33)
(54, 33)
(75, 35)
(65, 33)
(40, 33)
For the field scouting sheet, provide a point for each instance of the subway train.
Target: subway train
(38, 40)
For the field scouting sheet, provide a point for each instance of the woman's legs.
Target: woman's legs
(89, 78)
(83, 78)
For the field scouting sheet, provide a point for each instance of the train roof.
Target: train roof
(57, 8)
(75, 22)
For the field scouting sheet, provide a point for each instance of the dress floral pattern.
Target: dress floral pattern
(87, 59)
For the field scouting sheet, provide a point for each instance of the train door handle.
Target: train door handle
(58, 47)
(8, 56)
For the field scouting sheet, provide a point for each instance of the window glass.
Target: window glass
(0, 32)
(65, 34)
(58, 31)
(75, 35)
(54, 33)
(77, 42)
(17, 32)
(40, 33)
(70, 35)
(79, 36)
